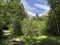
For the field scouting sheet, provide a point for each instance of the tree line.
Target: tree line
(13, 15)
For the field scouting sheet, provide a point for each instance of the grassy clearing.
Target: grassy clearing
(40, 40)
(33, 40)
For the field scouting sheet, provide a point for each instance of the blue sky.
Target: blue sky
(35, 6)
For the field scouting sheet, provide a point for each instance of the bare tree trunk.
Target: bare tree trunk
(57, 25)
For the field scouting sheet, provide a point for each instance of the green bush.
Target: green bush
(34, 27)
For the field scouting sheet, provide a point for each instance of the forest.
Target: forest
(16, 26)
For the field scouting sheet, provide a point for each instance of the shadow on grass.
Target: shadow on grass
(42, 40)
(49, 41)
(3, 42)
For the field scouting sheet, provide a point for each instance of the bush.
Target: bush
(34, 27)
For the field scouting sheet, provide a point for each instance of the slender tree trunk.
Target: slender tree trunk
(57, 25)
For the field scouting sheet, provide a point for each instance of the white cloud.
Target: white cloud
(42, 6)
(30, 9)
(30, 13)
(27, 6)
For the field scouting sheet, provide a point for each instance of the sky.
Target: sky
(35, 6)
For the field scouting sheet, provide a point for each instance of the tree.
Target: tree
(17, 12)
(54, 16)
(4, 18)
(20, 15)
(11, 13)
(36, 15)
(34, 27)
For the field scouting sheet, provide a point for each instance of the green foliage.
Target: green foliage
(17, 28)
(34, 27)
(17, 14)
(13, 18)
(4, 18)
(11, 14)
(4, 42)
(54, 16)
(39, 40)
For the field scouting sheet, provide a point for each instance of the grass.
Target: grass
(40, 40)
(33, 40)
(3, 42)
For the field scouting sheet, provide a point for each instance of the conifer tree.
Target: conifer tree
(11, 13)
(54, 16)
(18, 14)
